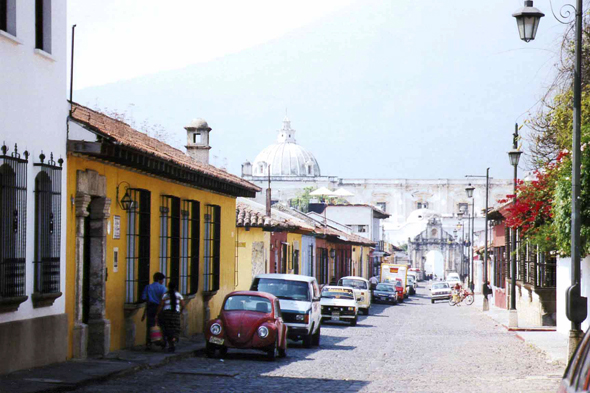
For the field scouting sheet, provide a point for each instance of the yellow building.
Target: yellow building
(139, 206)
(268, 244)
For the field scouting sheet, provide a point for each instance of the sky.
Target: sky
(148, 36)
(375, 89)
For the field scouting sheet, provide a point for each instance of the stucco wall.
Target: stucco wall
(249, 242)
(115, 286)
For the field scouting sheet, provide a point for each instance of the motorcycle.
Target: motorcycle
(462, 295)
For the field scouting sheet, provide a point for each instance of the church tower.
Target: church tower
(197, 145)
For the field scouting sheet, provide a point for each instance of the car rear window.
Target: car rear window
(384, 288)
(440, 286)
(283, 289)
(337, 293)
(352, 283)
(247, 303)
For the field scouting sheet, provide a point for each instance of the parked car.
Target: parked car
(452, 279)
(248, 320)
(385, 293)
(440, 291)
(299, 297)
(361, 290)
(411, 287)
(339, 304)
(577, 373)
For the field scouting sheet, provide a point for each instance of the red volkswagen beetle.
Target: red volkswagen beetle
(248, 320)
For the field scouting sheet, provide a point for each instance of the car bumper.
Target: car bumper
(441, 297)
(340, 317)
(385, 299)
(297, 330)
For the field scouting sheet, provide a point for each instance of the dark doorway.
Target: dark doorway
(86, 272)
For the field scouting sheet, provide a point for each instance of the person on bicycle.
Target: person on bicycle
(457, 293)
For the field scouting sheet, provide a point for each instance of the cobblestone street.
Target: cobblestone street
(412, 347)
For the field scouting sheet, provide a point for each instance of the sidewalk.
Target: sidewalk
(544, 338)
(73, 374)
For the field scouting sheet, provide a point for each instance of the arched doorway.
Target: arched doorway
(435, 264)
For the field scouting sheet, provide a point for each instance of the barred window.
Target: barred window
(295, 261)
(322, 269)
(138, 244)
(13, 202)
(48, 226)
(170, 237)
(189, 250)
(212, 248)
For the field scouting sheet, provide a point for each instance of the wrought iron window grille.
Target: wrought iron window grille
(48, 225)
(138, 245)
(189, 251)
(212, 248)
(13, 202)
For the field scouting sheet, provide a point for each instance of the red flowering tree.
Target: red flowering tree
(533, 212)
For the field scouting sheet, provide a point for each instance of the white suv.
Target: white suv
(299, 297)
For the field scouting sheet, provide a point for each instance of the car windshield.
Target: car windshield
(440, 286)
(283, 289)
(352, 283)
(247, 303)
(384, 288)
(336, 293)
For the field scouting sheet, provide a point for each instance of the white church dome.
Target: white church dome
(285, 157)
(421, 215)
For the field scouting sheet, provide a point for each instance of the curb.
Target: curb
(125, 372)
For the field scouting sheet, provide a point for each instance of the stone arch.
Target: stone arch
(92, 331)
(435, 238)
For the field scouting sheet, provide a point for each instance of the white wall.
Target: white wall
(400, 195)
(33, 113)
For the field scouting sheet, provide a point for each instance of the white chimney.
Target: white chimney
(197, 145)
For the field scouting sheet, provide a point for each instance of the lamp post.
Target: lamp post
(486, 306)
(514, 156)
(462, 227)
(469, 190)
(527, 20)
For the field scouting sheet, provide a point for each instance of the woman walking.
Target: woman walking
(169, 312)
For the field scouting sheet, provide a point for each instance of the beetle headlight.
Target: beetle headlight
(300, 317)
(215, 329)
(262, 332)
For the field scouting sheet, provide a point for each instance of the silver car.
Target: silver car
(440, 291)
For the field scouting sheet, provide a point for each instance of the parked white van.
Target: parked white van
(299, 298)
(361, 290)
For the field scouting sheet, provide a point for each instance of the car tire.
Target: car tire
(307, 340)
(366, 311)
(273, 352)
(222, 352)
(209, 350)
(353, 321)
(315, 340)
(432, 301)
(283, 351)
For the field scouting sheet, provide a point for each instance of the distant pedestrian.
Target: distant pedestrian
(152, 294)
(373, 281)
(169, 312)
(487, 290)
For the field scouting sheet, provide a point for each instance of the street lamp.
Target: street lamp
(527, 19)
(469, 190)
(576, 305)
(486, 306)
(514, 156)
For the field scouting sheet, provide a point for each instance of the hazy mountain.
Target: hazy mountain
(380, 89)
